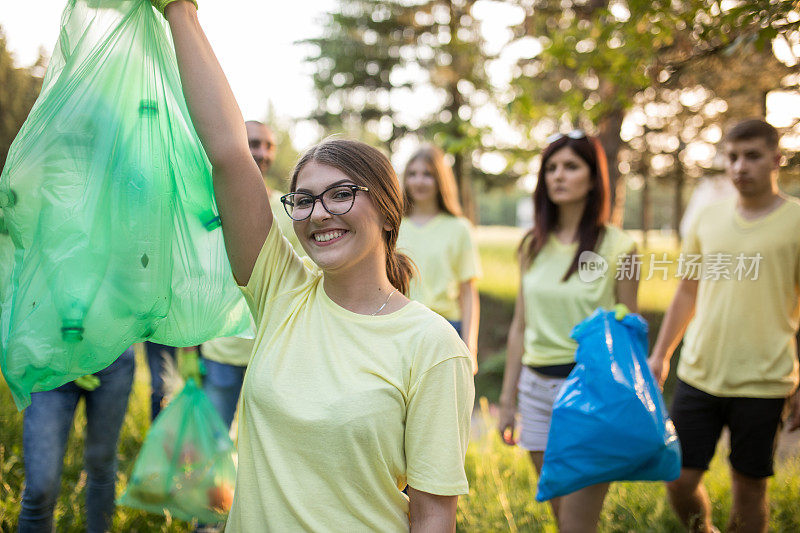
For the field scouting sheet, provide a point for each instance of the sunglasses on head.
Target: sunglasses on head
(574, 134)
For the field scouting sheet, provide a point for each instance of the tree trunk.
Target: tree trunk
(677, 214)
(678, 183)
(645, 204)
(463, 175)
(608, 132)
(462, 164)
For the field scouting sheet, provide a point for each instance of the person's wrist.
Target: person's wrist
(507, 402)
(658, 354)
(167, 7)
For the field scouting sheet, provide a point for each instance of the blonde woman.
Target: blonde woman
(439, 240)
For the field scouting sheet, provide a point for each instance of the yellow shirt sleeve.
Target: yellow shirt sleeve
(438, 420)
(690, 262)
(283, 221)
(468, 264)
(278, 270)
(797, 270)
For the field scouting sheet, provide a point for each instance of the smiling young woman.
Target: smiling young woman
(352, 391)
(439, 241)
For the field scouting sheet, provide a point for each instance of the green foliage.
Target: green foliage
(498, 207)
(374, 53)
(602, 63)
(597, 56)
(286, 155)
(356, 55)
(19, 88)
(599, 62)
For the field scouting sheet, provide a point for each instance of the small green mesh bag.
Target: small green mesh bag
(186, 463)
(107, 199)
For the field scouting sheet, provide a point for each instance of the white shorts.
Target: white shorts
(535, 403)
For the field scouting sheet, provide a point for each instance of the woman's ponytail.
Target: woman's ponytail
(399, 269)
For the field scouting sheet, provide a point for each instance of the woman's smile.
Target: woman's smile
(327, 237)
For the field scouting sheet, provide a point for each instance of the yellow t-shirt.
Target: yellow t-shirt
(340, 410)
(553, 307)
(237, 350)
(284, 221)
(228, 350)
(446, 255)
(741, 341)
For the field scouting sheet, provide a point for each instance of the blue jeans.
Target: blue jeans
(155, 361)
(46, 426)
(222, 384)
(457, 325)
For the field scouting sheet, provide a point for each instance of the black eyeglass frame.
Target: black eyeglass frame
(286, 200)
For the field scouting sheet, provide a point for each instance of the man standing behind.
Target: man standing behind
(263, 147)
(740, 298)
(225, 359)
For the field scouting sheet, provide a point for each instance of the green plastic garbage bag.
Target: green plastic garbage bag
(107, 198)
(186, 463)
(6, 258)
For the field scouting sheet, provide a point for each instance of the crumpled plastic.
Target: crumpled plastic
(186, 464)
(107, 198)
(609, 421)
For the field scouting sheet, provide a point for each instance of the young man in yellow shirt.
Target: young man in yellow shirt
(740, 299)
(225, 359)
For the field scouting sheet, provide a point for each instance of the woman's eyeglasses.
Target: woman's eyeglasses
(574, 134)
(336, 200)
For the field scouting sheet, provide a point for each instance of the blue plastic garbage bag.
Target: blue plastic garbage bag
(609, 420)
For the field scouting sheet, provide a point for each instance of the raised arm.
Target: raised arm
(240, 193)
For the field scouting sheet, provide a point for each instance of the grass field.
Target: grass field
(502, 481)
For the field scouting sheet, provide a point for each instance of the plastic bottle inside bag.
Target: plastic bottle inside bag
(143, 189)
(74, 240)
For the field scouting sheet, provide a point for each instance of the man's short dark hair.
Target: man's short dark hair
(754, 128)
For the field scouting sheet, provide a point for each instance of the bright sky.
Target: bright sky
(255, 45)
(253, 41)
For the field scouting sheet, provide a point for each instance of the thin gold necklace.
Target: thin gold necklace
(384, 303)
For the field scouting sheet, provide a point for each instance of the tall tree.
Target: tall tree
(598, 55)
(389, 68)
(678, 123)
(19, 88)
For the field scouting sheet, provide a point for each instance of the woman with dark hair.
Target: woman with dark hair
(571, 207)
(352, 390)
(439, 241)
